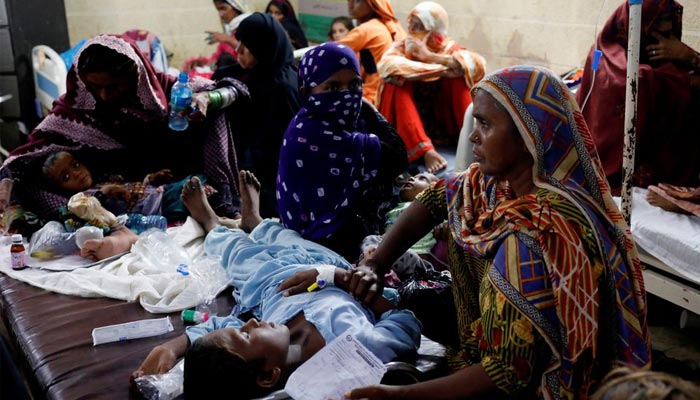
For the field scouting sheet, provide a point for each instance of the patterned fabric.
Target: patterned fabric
(137, 134)
(597, 308)
(326, 164)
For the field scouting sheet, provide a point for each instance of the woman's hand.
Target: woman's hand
(417, 50)
(200, 104)
(376, 392)
(669, 49)
(217, 37)
(159, 361)
(299, 282)
(364, 284)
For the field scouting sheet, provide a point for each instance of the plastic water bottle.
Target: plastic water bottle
(161, 251)
(180, 100)
(141, 223)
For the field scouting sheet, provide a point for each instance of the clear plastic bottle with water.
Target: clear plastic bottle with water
(180, 99)
(141, 223)
(161, 251)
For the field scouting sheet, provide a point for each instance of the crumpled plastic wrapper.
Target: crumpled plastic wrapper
(90, 209)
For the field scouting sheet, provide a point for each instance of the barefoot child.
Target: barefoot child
(267, 267)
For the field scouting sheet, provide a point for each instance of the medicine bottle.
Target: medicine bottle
(17, 252)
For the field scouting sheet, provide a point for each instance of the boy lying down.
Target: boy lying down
(271, 269)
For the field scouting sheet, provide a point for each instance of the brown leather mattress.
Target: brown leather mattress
(52, 334)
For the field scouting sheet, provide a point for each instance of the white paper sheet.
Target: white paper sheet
(344, 364)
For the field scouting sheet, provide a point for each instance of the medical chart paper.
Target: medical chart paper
(344, 364)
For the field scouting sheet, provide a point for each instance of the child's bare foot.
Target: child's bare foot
(434, 161)
(657, 197)
(117, 242)
(196, 202)
(249, 186)
(681, 192)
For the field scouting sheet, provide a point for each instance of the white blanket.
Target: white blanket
(672, 238)
(133, 278)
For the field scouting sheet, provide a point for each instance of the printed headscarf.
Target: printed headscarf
(326, 163)
(572, 221)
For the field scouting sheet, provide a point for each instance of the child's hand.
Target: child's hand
(160, 178)
(159, 361)
(299, 282)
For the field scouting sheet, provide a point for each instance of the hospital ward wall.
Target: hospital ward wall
(554, 33)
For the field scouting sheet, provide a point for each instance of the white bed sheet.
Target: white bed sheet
(672, 238)
(133, 278)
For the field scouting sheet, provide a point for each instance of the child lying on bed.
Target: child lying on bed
(155, 195)
(267, 267)
(413, 260)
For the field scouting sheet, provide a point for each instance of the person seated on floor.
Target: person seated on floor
(270, 266)
(377, 29)
(340, 27)
(266, 57)
(668, 97)
(156, 194)
(414, 259)
(625, 383)
(339, 157)
(116, 108)
(429, 72)
(546, 280)
(283, 12)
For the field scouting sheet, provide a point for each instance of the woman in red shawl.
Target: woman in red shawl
(668, 95)
(115, 117)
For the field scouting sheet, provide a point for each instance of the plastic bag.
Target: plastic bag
(165, 386)
(161, 251)
(429, 296)
(52, 241)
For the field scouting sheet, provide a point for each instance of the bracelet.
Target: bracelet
(222, 97)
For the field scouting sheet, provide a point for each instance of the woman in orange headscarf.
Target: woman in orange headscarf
(427, 61)
(377, 30)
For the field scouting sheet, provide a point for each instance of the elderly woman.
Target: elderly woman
(547, 283)
(377, 29)
(667, 101)
(430, 68)
(114, 116)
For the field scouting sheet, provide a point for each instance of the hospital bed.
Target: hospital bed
(50, 334)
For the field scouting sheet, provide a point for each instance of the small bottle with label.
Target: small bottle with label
(17, 252)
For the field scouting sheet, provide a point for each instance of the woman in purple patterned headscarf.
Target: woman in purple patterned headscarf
(338, 157)
(115, 117)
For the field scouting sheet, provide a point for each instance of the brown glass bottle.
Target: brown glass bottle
(17, 252)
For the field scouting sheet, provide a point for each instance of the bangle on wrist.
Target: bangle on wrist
(222, 97)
